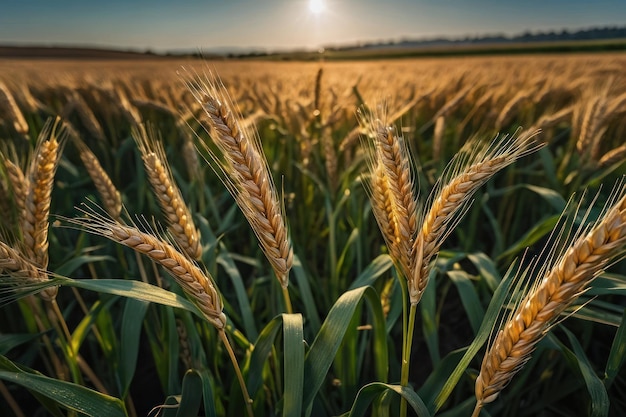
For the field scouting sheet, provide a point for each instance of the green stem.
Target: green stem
(406, 356)
(233, 358)
(287, 300)
(58, 322)
(11, 401)
(332, 248)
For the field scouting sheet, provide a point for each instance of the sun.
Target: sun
(316, 6)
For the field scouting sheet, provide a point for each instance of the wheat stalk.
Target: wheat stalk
(179, 219)
(247, 175)
(565, 277)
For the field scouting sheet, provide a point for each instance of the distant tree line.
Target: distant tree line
(608, 32)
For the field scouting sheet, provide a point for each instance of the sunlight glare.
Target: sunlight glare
(316, 6)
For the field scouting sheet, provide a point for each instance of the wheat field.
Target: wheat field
(386, 237)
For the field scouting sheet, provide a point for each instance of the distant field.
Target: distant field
(366, 262)
(378, 52)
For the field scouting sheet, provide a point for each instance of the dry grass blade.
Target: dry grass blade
(563, 278)
(197, 285)
(247, 175)
(179, 219)
(111, 197)
(468, 171)
(37, 205)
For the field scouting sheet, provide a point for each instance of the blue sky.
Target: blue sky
(282, 24)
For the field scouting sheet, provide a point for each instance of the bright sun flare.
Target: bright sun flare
(316, 6)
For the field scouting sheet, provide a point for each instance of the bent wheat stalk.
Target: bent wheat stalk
(247, 176)
(561, 282)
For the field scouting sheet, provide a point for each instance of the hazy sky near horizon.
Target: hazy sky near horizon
(163, 25)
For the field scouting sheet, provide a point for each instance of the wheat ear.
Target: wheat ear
(87, 117)
(467, 172)
(247, 175)
(511, 106)
(19, 185)
(13, 263)
(613, 156)
(12, 110)
(565, 278)
(37, 205)
(382, 207)
(179, 219)
(111, 197)
(548, 121)
(393, 195)
(593, 117)
(197, 285)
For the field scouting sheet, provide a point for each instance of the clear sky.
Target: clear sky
(282, 24)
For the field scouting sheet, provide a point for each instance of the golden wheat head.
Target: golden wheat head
(179, 220)
(246, 174)
(197, 285)
(559, 282)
